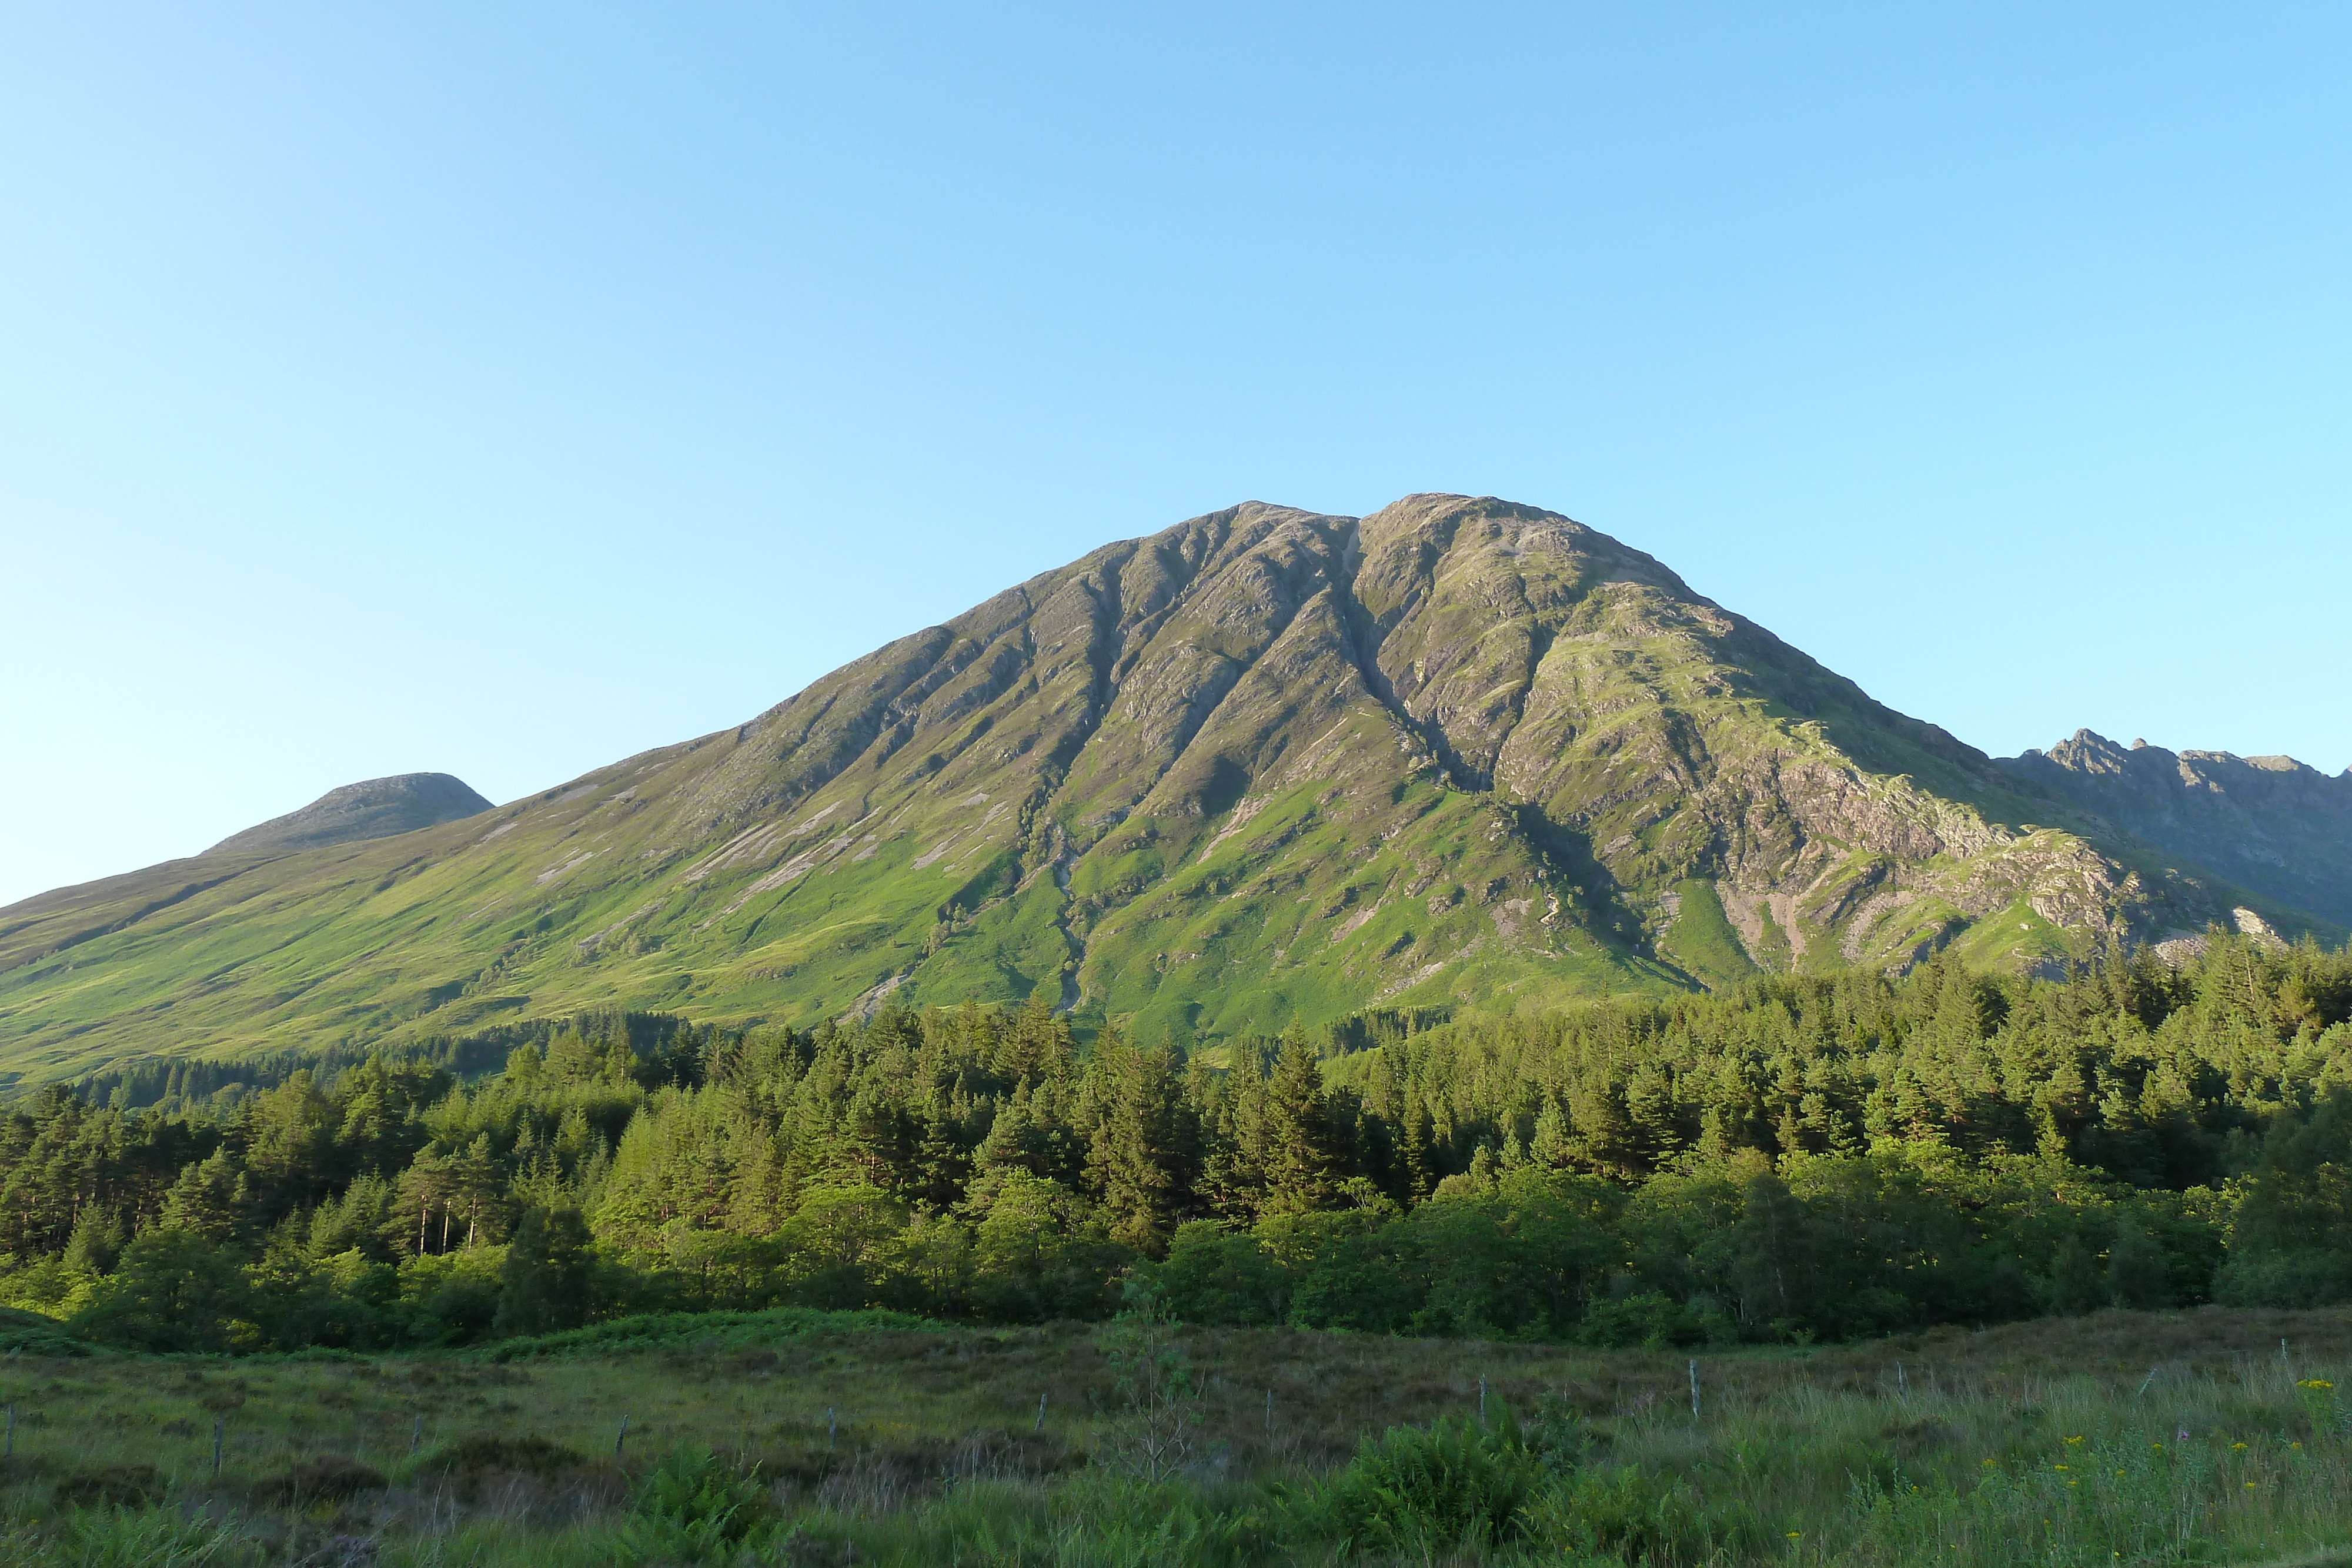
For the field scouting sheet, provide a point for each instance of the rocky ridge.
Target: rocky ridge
(2270, 824)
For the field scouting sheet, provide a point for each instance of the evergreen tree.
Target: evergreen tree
(1296, 1153)
(547, 1282)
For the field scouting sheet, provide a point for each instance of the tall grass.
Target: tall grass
(2127, 1439)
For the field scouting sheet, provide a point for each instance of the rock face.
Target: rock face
(1265, 765)
(377, 808)
(2268, 823)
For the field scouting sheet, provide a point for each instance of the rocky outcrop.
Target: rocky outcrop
(2269, 824)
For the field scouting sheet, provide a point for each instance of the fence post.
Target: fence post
(832, 1429)
(217, 1425)
(622, 1439)
(1693, 1377)
(1038, 1427)
(416, 1436)
(1482, 1401)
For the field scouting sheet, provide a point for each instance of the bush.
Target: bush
(681, 1331)
(1648, 1319)
(485, 1452)
(1214, 1275)
(30, 1333)
(696, 1506)
(1622, 1515)
(546, 1282)
(471, 1463)
(1447, 1483)
(173, 1290)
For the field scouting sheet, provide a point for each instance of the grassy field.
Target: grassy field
(840, 1438)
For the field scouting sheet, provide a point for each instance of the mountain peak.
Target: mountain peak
(371, 809)
(1265, 765)
(2272, 825)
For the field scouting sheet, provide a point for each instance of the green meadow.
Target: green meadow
(796, 1437)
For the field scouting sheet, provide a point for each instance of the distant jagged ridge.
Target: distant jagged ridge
(373, 809)
(2270, 824)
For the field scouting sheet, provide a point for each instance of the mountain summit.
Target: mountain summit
(1266, 764)
(377, 808)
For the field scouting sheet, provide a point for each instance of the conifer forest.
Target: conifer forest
(1800, 1159)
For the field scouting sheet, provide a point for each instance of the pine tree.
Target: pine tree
(212, 1200)
(1302, 1171)
(96, 1243)
(1139, 1158)
(1550, 1148)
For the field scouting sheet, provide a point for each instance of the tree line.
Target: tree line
(1814, 1155)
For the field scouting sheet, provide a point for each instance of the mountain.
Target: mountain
(1266, 764)
(2268, 823)
(377, 808)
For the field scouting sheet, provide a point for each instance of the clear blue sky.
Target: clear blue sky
(402, 388)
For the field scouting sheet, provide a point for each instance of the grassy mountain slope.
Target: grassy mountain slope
(1266, 764)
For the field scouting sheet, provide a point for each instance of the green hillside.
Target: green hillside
(1265, 765)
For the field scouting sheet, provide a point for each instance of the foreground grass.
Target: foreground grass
(2123, 1437)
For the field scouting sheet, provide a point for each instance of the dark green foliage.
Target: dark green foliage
(1221, 1275)
(1622, 1515)
(547, 1282)
(477, 1463)
(173, 1290)
(328, 1478)
(1807, 1158)
(112, 1486)
(1446, 1484)
(678, 1331)
(695, 1506)
(30, 1333)
(2294, 1226)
